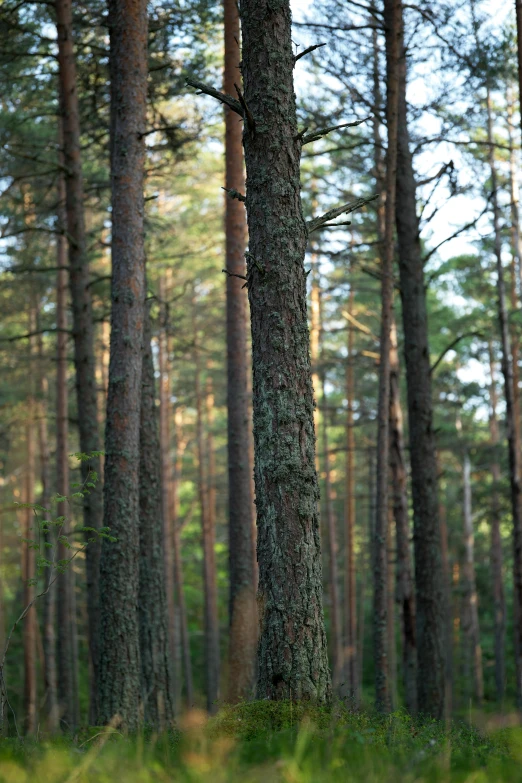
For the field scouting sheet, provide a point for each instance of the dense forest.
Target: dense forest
(260, 314)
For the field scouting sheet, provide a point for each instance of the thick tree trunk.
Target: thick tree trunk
(428, 560)
(331, 523)
(178, 563)
(405, 590)
(209, 558)
(474, 649)
(380, 558)
(242, 600)
(83, 328)
(292, 652)
(496, 557)
(156, 658)
(119, 674)
(350, 591)
(511, 418)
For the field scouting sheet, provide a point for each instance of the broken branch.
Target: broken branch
(247, 114)
(320, 133)
(307, 51)
(344, 209)
(233, 193)
(222, 97)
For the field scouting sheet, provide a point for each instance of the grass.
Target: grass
(267, 742)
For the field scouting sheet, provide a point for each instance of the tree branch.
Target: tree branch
(320, 133)
(344, 209)
(233, 193)
(222, 97)
(452, 345)
(307, 51)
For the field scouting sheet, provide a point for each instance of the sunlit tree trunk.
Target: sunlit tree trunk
(119, 675)
(474, 649)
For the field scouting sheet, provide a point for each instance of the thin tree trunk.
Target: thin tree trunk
(178, 564)
(428, 560)
(511, 418)
(166, 488)
(292, 652)
(350, 591)
(474, 651)
(368, 559)
(119, 674)
(448, 625)
(380, 564)
(209, 566)
(155, 657)
(83, 327)
(496, 557)
(242, 603)
(405, 589)
(335, 604)
(390, 615)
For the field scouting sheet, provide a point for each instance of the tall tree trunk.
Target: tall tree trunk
(428, 560)
(496, 557)
(208, 540)
(474, 649)
(166, 486)
(155, 656)
(83, 327)
(292, 652)
(380, 558)
(119, 638)
(390, 612)
(178, 563)
(405, 590)
(350, 591)
(516, 238)
(335, 604)
(242, 599)
(448, 625)
(511, 417)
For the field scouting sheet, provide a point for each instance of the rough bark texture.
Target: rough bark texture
(292, 652)
(496, 557)
(380, 557)
(428, 561)
(405, 590)
(511, 417)
(209, 557)
(242, 600)
(83, 328)
(155, 656)
(472, 630)
(28, 565)
(119, 686)
(350, 592)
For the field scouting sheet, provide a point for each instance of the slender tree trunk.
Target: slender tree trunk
(390, 612)
(511, 418)
(30, 532)
(516, 238)
(208, 540)
(380, 639)
(292, 652)
(83, 327)
(350, 591)
(448, 603)
(474, 651)
(405, 590)
(156, 658)
(119, 648)
(166, 487)
(496, 557)
(178, 564)
(335, 604)
(242, 603)
(428, 560)
(368, 559)
(518, 7)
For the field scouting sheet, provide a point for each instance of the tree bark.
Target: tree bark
(83, 327)
(448, 625)
(428, 560)
(474, 651)
(380, 557)
(208, 542)
(511, 417)
(119, 648)
(155, 656)
(292, 652)
(242, 599)
(405, 589)
(496, 557)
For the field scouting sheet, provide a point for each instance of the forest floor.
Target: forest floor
(271, 743)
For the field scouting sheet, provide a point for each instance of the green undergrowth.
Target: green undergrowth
(269, 742)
